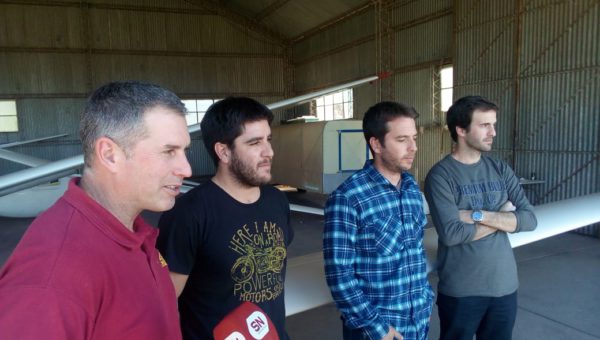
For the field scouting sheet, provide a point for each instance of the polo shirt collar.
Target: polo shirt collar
(106, 222)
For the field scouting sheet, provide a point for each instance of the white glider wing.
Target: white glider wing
(28, 178)
(22, 158)
(305, 281)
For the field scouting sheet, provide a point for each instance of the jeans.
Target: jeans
(490, 318)
(352, 334)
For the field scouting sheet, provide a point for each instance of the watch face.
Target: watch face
(477, 216)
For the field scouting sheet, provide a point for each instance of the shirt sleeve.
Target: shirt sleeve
(444, 211)
(526, 220)
(178, 238)
(42, 313)
(290, 228)
(339, 239)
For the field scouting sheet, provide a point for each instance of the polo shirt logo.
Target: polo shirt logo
(161, 259)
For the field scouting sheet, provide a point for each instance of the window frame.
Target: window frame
(12, 123)
(334, 106)
(194, 115)
(446, 90)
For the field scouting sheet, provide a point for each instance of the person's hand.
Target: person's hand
(508, 206)
(393, 335)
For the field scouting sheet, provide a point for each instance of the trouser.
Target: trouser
(490, 318)
(359, 334)
(352, 334)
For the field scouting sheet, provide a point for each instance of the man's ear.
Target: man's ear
(108, 154)
(461, 131)
(375, 145)
(223, 152)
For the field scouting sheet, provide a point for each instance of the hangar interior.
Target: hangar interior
(539, 60)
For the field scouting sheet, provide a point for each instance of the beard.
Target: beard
(396, 165)
(480, 146)
(246, 174)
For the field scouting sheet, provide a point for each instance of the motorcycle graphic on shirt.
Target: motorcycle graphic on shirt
(258, 260)
(257, 272)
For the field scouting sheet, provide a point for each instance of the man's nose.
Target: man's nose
(183, 167)
(268, 151)
(413, 145)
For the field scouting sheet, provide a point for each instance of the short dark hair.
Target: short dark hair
(224, 121)
(116, 110)
(461, 113)
(377, 116)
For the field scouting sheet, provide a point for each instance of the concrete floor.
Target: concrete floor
(559, 296)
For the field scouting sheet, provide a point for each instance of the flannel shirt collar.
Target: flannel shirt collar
(408, 181)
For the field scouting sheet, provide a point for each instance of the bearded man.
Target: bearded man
(226, 240)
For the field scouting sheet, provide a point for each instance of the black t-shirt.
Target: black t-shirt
(232, 252)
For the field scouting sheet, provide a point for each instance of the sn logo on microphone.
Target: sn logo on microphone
(257, 325)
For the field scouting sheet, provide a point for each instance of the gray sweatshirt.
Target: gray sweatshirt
(485, 267)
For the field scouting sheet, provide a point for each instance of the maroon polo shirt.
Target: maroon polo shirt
(78, 273)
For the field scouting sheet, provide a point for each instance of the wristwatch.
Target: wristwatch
(477, 215)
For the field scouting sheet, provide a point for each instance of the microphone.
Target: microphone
(246, 322)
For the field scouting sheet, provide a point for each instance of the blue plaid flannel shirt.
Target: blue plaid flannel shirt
(375, 263)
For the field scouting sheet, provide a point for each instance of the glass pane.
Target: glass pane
(328, 99)
(345, 94)
(8, 124)
(446, 99)
(320, 101)
(200, 116)
(321, 112)
(204, 104)
(350, 95)
(329, 112)
(338, 111)
(8, 108)
(190, 104)
(446, 78)
(338, 98)
(191, 118)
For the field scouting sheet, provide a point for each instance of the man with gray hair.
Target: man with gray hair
(87, 268)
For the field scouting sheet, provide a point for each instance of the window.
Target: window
(8, 116)
(196, 109)
(338, 105)
(446, 83)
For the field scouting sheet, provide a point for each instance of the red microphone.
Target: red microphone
(246, 322)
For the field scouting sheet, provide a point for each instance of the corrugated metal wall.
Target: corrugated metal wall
(53, 54)
(421, 40)
(540, 61)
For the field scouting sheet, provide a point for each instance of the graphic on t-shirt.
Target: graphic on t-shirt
(482, 195)
(257, 272)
